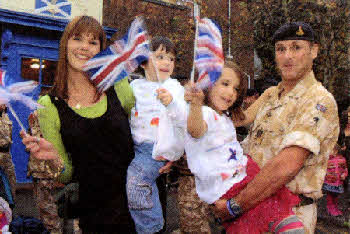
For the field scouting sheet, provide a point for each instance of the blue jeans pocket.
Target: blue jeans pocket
(139, 192)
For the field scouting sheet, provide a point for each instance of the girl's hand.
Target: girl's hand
(164, 96)
(347, 130)
(343, 177)
(194, 96)
(39, 147)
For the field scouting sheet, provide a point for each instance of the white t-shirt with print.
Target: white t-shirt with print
(216, 159)
(145, 114)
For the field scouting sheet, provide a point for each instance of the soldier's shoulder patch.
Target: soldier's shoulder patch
(321, 108)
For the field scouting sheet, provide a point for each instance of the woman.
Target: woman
(88, 131)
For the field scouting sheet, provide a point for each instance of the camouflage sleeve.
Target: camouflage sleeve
(5, 130)
(315, 126)
(48, 169)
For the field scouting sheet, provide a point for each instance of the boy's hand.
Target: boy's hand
(161, 158)
(164, 96)
(194, 95)
(166, 168)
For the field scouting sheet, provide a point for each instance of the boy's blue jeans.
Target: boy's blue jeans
(142, 191)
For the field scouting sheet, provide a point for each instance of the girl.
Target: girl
(88, 131)
(337, 171)
(216, 158)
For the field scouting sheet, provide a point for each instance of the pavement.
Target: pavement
(326, 224)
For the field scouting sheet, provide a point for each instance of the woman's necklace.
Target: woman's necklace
(77, 105)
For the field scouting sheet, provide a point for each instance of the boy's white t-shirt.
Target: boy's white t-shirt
(145, 114)
(216, 159)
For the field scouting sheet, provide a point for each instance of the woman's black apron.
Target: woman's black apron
(101, 150)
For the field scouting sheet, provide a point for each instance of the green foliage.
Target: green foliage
(330, 22)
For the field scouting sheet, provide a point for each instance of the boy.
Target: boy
(142, 191)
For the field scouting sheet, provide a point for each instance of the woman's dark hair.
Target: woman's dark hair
(235, 111)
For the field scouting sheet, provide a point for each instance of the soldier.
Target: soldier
(44, 173)
(5, 142)
(293, 132)
(193, 212)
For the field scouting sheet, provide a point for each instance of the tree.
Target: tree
(330, 21)
(177, 23)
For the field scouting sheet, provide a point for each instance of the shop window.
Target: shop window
(40, 70)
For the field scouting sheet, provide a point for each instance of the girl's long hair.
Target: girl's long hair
(235, 111)
(78, 26)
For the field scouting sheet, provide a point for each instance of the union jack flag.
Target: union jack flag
(16, 91)
(209, 59)
(121, 58)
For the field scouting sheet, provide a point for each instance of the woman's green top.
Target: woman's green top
(50, 124)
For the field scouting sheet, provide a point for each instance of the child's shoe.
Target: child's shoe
(290, 224)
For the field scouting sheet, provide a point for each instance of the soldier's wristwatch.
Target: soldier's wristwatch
(233, 208)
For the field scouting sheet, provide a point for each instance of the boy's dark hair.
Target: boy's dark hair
(156, 42)
(235, 111)
(166, 42)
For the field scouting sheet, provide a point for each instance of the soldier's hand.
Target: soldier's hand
(220, 211)
(39, 147)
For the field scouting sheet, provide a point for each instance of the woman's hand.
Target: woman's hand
(39, 147)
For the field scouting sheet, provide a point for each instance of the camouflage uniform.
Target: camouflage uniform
(5, 157)
(44, 173)
(194, 213)
(307, 117)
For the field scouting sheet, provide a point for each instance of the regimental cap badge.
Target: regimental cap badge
(294, 31)
(300, 31)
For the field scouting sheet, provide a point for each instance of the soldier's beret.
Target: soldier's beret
(294, 31)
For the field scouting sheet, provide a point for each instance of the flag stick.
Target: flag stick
(155, 69)
(195, 14)
(16, 117)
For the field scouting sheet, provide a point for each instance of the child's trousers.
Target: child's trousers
(142, 191)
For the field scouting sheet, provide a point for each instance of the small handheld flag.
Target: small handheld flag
(15, 92)
(209, 59)
(121, 58)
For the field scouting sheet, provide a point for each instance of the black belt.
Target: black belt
(304, 201)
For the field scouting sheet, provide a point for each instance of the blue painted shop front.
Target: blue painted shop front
(29, 51)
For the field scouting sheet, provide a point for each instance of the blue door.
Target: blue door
(27, 57)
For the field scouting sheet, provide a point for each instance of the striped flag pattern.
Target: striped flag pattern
(209, 58)
(121, 58)
(16, 91)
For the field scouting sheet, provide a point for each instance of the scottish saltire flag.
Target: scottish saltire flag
(121, 58)
(16, 91)
(209, 59)
(60, 8)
